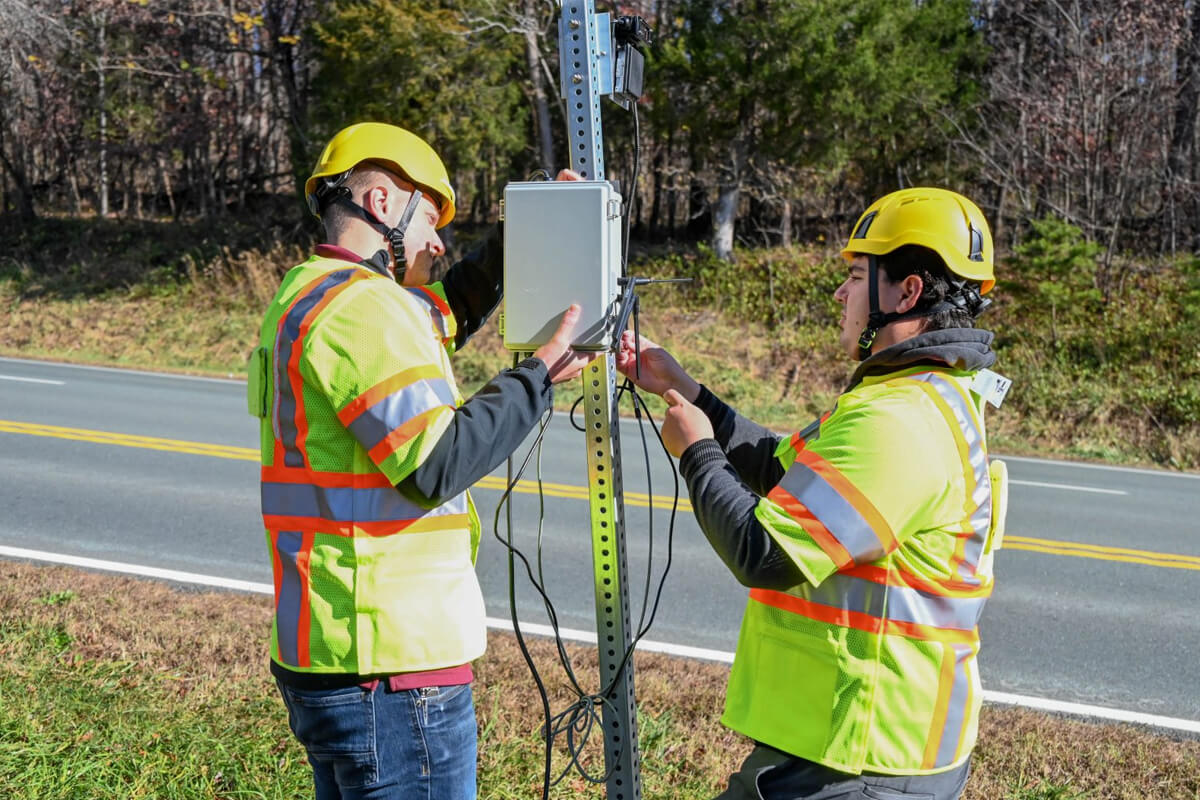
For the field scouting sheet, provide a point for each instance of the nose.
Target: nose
(436, 246)
(839, 294)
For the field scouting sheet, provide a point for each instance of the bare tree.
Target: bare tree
(533, 21)
(26, 27)
(1077, 116)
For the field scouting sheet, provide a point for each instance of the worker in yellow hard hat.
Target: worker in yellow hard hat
(368, 450)
(866, 539)
(404, 158)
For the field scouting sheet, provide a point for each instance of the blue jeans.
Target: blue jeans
(414, 744)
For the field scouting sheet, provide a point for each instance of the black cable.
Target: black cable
(670, 541)
(581, 717)
(637, 158)
(637, 414)
(571, 415)
(512, 600)
(671, 523)
(552, 727)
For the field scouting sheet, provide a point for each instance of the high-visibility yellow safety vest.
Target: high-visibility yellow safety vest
(353, 385)
(890, 511)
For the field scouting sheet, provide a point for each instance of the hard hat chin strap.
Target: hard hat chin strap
(877, 320)
(394, 236)
(964, 296)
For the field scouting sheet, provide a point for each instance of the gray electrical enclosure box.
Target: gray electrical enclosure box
(562, 245)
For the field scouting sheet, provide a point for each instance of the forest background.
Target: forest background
(151, 151)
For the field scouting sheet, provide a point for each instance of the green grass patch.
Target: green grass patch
(116, 687)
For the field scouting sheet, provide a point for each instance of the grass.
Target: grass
(117, 687)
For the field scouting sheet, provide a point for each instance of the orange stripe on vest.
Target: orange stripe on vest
(857, 620)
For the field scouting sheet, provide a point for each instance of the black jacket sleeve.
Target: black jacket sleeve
(749, 446)
(485, 430)
(724, 508)
(475, 285)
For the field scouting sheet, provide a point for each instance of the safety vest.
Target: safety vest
(353, 386)
(891, 510)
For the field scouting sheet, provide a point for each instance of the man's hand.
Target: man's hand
(562, 361)
(659, 369)
(684, 424)
(568, 175)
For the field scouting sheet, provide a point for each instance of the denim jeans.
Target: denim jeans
(412, 744)
(770, 774)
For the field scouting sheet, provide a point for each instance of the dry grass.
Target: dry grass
(188, 658)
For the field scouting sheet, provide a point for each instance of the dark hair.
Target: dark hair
(939, 285)
(335, 218)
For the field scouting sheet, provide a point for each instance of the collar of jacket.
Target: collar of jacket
(967, 349)
(338, 252)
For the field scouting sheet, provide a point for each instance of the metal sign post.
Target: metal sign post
(585, 63)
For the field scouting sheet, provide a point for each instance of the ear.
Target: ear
(377, 201)
(910, 292)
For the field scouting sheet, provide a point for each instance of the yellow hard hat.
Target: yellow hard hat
(394, 148)
(944, 221)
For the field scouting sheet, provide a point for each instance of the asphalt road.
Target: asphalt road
(1096, 599)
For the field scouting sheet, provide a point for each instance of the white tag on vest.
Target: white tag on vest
(991, 386)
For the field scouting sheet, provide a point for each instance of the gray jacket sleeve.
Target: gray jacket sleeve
(724, 507)
(749, 446)
(485, 429)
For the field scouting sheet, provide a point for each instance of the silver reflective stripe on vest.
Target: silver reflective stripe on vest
(980, 504)
(374, 424)
(290, 595)
(439, 320)
(956, 711)
(898, 603)
(835, 512)
(283, 417)
(349, 505)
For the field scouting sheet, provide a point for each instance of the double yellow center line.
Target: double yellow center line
(570, 492)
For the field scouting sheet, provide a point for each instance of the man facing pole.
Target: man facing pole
(368, 450)
(866, 539)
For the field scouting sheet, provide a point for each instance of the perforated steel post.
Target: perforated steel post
(586, 74)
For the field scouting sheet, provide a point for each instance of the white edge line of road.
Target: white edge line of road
(125, 370)
(1040, 485)
(31, 380)
(1110, 468)
(588, 637)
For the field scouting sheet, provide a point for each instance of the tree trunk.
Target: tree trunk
(699, 222)
(541, 106)
(727, 198)
(100, 66)
(76, 200)
(1181, 158)
(290, 62)
(165, 176)
(655, 223)
(24, 193)
(723, 215)
(785, 223)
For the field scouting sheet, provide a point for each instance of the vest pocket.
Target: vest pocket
(257, 382)
(788, 696)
